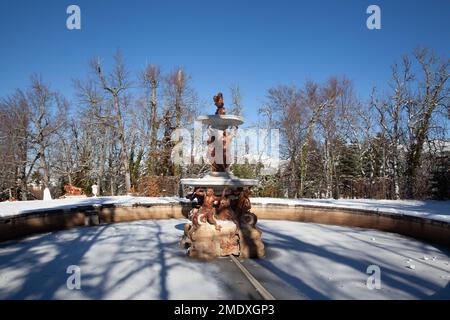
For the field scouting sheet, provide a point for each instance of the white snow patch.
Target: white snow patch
(436, 210)
(20, 207)
(137, 260)
(330, 262)
(431, 209)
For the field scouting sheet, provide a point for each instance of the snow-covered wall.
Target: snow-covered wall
(436, 210)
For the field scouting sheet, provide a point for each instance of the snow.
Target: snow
(436, 210)
(330, 262)
(142, 260)
(21, 207)
(138, 260)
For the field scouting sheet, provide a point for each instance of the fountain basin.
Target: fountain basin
(221, 122)
(60, 215)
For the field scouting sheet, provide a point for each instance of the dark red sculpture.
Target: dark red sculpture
(218, 102)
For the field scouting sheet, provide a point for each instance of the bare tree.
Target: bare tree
(47, 110)
(150, 79)
(432, 93)
(406, 115)
(96, 115)
(312, 101)
(283, 106)
(15, 165)
(390, 117)
(180, 97)
(116, 86)
(180, 108)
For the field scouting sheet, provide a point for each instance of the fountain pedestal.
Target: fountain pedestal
(206, 242)
(222, 221)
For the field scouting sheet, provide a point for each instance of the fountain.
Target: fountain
(221, 221)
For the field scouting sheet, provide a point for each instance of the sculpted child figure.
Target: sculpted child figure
(207, 208)
(198, 200)
(243, 207)
(243, 203)
(224, 211)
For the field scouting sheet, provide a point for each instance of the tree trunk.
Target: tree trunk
(44, 167)
(123, 148)
(153, 122)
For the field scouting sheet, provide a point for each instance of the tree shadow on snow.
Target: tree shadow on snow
(391, 276)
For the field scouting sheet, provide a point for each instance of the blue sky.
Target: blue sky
(256, 44)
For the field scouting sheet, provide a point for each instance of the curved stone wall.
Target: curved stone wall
(413, 226)
(55, 219)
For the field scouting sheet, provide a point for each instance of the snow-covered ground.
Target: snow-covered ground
(142, 260)
(20, 207)
(437, 210)
(330, 262)
(138, 260)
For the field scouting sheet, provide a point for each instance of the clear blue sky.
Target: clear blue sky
(257, 44)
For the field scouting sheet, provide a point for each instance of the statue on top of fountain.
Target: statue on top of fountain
(218, 102)
(224, 163)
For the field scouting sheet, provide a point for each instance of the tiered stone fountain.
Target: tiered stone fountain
(221, 221)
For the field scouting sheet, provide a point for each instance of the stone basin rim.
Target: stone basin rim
(221, 122)
(47, 220)
(219, 182)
